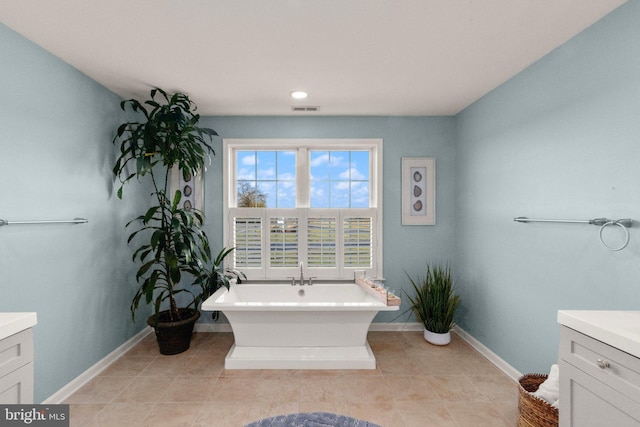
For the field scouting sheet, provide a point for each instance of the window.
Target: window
(266, 178)
(315, 202)
(339, 179)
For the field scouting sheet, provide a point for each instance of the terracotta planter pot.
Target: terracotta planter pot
(437, 339)
(174, 337)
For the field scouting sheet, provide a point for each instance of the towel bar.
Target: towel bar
(601, 222)
(67, 221)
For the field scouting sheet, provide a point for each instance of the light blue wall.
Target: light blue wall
(405, 247)
(56, 126)
(559, 140)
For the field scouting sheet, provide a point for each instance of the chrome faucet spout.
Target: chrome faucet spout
(301, 274)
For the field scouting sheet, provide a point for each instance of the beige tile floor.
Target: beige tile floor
(415, 384)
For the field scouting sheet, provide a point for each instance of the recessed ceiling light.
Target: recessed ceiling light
(299, 94)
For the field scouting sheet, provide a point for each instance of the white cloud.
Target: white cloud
(360, 193)
(320, 160)
(317, 192)
(248, 160)
(337, 161)
(245, 174)
(333, 161)
(287, 177)
(269, 173)
(352, 173)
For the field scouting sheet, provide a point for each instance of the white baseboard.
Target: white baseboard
(82, 379)
(66, 391)
(499, 363)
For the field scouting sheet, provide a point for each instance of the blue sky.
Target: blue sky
(338, 178)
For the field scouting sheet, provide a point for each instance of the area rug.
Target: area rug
(311, 419)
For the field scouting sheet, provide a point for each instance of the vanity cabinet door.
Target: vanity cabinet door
(17, 387)
(16, 368)
(593, 404)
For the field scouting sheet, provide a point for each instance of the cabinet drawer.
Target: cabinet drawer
(607, 364)
(16, 351)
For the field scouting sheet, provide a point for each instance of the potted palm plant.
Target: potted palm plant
(172, 245)
(434, 303)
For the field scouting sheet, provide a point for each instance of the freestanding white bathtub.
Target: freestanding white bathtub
(279, 326)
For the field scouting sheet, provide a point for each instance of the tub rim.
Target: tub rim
(212, 303)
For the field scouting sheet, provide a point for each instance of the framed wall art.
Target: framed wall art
(192, 188)
(418, 191)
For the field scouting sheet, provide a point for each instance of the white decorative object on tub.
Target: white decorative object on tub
(379, 292)
(279, 326)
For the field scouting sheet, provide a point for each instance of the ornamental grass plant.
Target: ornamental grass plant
(434, 302)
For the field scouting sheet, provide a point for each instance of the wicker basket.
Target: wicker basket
(534, 412)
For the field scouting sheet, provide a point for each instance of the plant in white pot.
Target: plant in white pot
(172, 247)
(434, 303)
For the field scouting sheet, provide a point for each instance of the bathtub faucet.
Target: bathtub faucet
(293, 279)
(309, 279)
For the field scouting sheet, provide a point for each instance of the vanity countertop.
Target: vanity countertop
(12, 323)
(619, 329)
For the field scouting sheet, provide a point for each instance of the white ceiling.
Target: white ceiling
(354, 57)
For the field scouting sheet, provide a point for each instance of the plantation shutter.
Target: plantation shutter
(358, 243)
(283, 242)
(247, 240)
(321, 242)
(330, 243)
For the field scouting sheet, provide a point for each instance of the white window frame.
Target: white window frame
(303, 210)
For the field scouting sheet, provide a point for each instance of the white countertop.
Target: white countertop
(12, 323)
(619, 329)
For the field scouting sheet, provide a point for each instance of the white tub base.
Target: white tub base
(353, 357)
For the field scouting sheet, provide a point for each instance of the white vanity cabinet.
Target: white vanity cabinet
(599, 369)
(16, 357)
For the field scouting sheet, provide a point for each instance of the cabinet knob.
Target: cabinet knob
(602, 364)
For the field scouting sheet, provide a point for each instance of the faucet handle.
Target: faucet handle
(310, 280)
(293, 280)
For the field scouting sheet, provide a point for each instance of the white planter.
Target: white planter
(437, 339)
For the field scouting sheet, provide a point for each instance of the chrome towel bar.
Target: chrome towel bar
(67, 221)
(601, 222)
(627, 222)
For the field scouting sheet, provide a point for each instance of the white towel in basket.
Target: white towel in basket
(549, 390)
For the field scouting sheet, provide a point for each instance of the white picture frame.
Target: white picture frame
(192, 189)
(418, 191)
